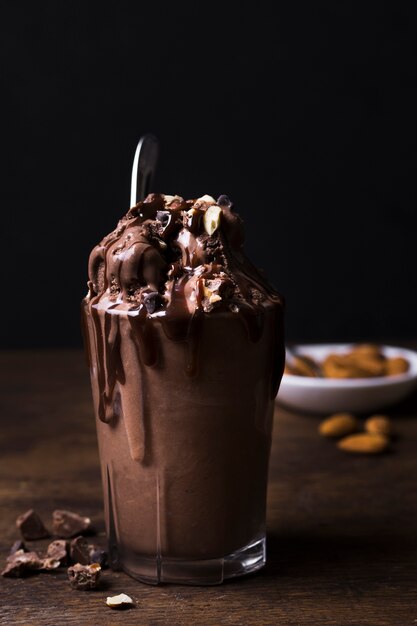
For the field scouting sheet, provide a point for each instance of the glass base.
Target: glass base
(206, 572)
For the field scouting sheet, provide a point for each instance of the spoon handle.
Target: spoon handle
(144, 166)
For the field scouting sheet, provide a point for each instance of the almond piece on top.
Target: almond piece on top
(338, 425)
(364, 443)
(212, 218)
(379, 424)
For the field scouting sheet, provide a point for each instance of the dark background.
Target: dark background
(304, 113)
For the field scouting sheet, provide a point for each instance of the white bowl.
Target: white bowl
(360, 395)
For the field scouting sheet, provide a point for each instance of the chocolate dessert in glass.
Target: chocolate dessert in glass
(185, 344)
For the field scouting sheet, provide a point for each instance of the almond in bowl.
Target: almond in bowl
(360, 361)
(358, 378)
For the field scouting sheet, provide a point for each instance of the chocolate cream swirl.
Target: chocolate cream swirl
(163, 257)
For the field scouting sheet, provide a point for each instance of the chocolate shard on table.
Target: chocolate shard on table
(84, 577)
(31, 526)
(22, 563)
(58, 551)
(80, 550)
(67, 524)
(87, 553)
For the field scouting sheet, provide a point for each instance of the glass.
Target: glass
(184, 440)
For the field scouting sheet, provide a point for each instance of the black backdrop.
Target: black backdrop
(304, 113)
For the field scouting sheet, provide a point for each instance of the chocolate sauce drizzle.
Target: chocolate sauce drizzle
(160, 254)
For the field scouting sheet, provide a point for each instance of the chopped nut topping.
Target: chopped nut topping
(212, 219)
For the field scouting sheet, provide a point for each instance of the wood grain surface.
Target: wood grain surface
(342, 530)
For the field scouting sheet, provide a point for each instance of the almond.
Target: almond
(338, 425)
(208, 199)
(120, 601)
(368, 349)
(305, 366)
(364, 443)
(379, 424)
(396, 365)
(212, 218)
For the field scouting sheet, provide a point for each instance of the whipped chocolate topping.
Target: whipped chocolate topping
(171, 263)
(161, 257)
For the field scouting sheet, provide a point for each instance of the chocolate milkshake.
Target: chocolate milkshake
(185, 345)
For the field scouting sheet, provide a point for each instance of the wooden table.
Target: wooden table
(342, 530)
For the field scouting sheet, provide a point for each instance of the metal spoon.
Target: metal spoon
(144, 166)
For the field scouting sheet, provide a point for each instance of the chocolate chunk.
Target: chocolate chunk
(224, 201)
(164, 217)
(98, 556)
(18, 545)
(84, 577)
(67, 524)
(153, 301)
(148, 208)
(58, 551)
(21, 563)
(80, 550)
(86, 553)
(31, 526)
